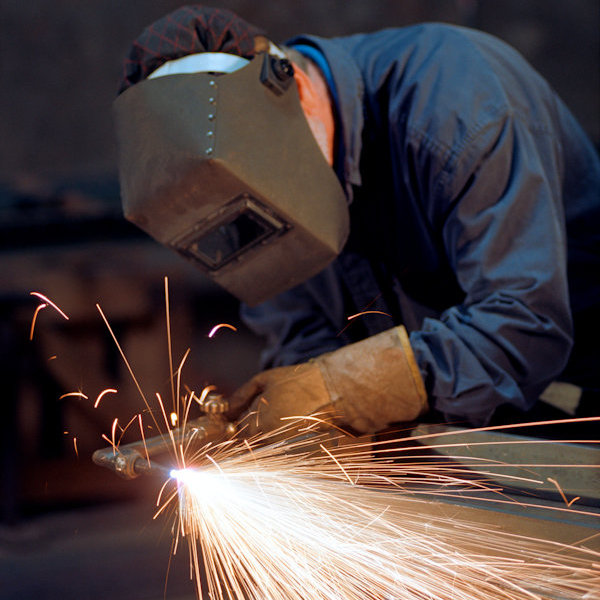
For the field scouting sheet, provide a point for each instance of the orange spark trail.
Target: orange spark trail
(113, 432)
(169, 344)
(369, 312)
(144, 438)
(204, 393)
(337, 462)
(560, 491)
(78, 394)
(102, 394)
(105, 437)
(124, 429)
(298, 519)
(48, 301)
(33, 320)
(176, 405)
(112, 440)
(131, 373)
(220, 326)
(288, 521)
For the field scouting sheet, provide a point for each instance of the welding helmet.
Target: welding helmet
(217, 161)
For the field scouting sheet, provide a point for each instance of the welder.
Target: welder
(411, 217)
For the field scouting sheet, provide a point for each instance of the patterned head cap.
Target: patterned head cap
(187, 30)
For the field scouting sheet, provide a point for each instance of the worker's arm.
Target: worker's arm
(301, 323)
(505, 239)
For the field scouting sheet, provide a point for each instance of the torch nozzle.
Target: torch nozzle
(125, 461)
(131, 460)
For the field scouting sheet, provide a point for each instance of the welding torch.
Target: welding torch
(131, 460)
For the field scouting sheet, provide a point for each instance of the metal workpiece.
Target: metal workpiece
(131, 460)
(522, 465)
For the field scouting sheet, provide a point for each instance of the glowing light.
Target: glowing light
(76, 394)
(220, 326)
(362, 313)
(144, 438)
(301, 519)
(113, 439)
(369, 312)
(102, 394)
(560, 491)
(47, 301)
(204, 393)
(33, 320)
(174, 419)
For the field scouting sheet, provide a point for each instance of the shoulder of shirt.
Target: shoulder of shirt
(439, 85)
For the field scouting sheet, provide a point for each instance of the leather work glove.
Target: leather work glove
(366, 385)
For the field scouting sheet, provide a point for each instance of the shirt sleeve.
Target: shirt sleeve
(299, 324)
(504, 235)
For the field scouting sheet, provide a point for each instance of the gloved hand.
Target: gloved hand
(366, 385)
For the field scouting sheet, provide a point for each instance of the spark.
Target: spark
(102, 394)
(305, 514)
(220, 326)
(127, 364)
(303, 519)
(365, 310)
(207, 389)
(113, 432)
(369, 312)
(336, 461)
(169, 343)
(33, 320)
(75, 446)
(77, 394)
(144, 438)
(560, 491)
(174, 419)
(112, 440)
(49, 302)
(177, 397)
(124, 429)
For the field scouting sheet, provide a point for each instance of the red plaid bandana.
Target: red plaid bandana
(187, 30)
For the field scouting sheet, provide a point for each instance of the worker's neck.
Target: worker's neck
(317, 105)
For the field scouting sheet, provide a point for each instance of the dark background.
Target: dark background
(67, 528)
(61, 61)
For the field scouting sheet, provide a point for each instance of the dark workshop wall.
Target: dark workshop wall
(61, 60)
(61, 231)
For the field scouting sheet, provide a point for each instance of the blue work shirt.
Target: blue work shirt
(475, 221)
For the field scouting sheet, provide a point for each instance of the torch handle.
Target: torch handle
(132, 459)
